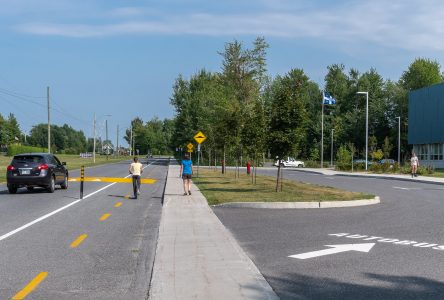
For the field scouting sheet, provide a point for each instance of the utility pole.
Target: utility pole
(49, 121)
(94, 143)
(134, 143)
(331, 162)
(117, 141)
(106, 144)
(131, 140)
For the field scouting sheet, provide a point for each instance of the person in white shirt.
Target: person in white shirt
(414, 163)
(136, 170)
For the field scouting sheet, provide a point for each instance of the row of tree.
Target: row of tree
(152, 137)
(9, 131)
(243, 111)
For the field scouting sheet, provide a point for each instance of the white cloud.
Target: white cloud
(415, 26)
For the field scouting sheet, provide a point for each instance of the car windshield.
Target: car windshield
(28, 159)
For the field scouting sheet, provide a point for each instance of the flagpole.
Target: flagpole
(322, 132)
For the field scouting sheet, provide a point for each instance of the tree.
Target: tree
(387, 147)
(64, 139)
(288, 116)
(421, 73)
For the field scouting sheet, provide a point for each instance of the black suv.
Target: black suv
(36, 169)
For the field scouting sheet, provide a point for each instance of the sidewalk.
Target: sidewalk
(196, 256)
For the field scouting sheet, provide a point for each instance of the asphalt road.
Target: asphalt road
(405, 262)
(101, 247)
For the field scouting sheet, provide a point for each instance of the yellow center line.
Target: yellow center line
(78, 241)
(113, 179)
(118, 204)
(30, 287)
(104, 217)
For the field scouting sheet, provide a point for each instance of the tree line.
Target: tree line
(245, 112)
(248, 114)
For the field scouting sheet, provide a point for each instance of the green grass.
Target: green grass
(73, 162)
(439, 173)
(218, 189)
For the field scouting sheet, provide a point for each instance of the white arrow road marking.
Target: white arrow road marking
(406, 188)
(365, 247)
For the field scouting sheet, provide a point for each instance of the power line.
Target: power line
(21, 94)
(21, 98)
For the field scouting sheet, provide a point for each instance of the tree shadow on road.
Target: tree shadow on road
(382, 287)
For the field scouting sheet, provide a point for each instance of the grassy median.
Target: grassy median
(219, 188)
(73, 162)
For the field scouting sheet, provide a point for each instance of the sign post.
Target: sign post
(199, 138)
(190, 147)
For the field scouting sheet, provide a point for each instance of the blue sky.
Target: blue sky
(121, 57)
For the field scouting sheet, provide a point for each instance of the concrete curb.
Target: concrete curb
(301, 205)
(423, 179)
(429, 181)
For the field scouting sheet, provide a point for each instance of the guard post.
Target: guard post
(82, 179)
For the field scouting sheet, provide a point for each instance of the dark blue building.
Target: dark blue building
(426, 124)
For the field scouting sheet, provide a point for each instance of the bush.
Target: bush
(422, 170)
(17, 149)
(343, 158)
(312, 164)
(383, 168)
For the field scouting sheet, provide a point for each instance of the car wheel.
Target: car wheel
(51, 187)
(12, 189)
(64, 185)
(300, 166)
(30, 188)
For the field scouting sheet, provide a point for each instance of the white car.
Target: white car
(290, 162)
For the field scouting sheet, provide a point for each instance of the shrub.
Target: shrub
(343, 158)
(17, 149)
(312, 164)
(422, 170)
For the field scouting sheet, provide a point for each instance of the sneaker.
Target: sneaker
(185, 194)
(138, 192)
(189, 192)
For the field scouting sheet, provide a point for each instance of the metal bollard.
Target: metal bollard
(82, 177)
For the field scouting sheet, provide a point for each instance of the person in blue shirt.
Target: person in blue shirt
(186, 170)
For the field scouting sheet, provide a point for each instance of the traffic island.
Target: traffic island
(230, 190)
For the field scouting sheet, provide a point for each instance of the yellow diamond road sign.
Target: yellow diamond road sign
(190, 147)
(200, 137)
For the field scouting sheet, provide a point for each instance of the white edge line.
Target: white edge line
(5, 236)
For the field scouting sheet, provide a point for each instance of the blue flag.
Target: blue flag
(328, 99)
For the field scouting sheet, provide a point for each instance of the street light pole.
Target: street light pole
(366, 127)
(399, 141)
(322, 133)
(331, 162)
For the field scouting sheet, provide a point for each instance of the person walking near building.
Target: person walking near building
(136, 170)
(414, 163)
(186, 171)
